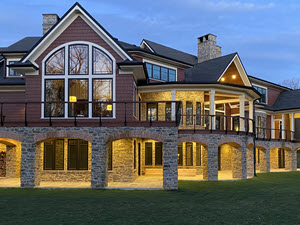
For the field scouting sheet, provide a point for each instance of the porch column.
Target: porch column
(212, 162)
(272, 127)
(288, 155)
(283, 126)
(99, 163)
(242, 112)
(250, 116)
(250, 162)
(212, 109)
(292, 126)
(294, 159)
(173, 106)
(264, 165)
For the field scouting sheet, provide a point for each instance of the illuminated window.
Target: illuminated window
(160, 72)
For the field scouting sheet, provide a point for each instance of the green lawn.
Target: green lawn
(267, 199)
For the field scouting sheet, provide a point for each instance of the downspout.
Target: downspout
(254, 139)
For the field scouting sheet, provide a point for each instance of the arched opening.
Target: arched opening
(192, 161)
(135, 163)
(261, 160)
(10, 162)
(63, 162)
(229, 161)
(280, 159)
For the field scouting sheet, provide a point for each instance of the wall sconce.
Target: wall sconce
(109, 107)
(233, 76)
(72, 99)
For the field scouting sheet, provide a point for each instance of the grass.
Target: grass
(272, 198)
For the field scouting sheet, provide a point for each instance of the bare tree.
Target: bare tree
(293, 83)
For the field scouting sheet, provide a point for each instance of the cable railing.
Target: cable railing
(274, 134)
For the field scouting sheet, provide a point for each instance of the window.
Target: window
(54, 155)
(198, 154)
(11, 72)
(158, 153)
(55, 64)
(180, 155)
(102, 64)
(198, 113)
(78, 96)
(189, 113)
(160, 72)
(78, 59)
(83, 73)
(263, 92)
(77, 155)
(54, 92)
(152, 111)
(102, 92)
(168, 111)
(189, 154)
(259, 124)
(110, 156)
(148, 153)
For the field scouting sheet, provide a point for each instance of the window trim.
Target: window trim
(88, 85)
(77, 165)
(88, 60)
(90, 76)
(45, 96)
(44, 63)
(93, 47)
(7, 60)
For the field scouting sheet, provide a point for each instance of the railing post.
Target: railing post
(50, 116)
(26, 114)
(75, 116)
(100, 120)
(125, 121)
(2, 115)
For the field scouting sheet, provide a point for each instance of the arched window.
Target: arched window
(89, 78)
(55, 64)
(102, 64)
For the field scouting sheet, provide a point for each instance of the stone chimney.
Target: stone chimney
(207, 48)
(48, 21)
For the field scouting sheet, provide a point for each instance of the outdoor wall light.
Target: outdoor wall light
(233, 76)
(72, 99)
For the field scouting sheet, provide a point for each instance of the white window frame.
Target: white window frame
(163, 65)
(89, 77)
(266, 103)
(7, 68)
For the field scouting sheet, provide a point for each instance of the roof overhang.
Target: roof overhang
(24, 68)
(138, 70)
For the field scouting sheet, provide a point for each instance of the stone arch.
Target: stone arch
(61, 134)
(227, 140)
(7, 136)
(193, 139)
(261, 145)
(134, 134)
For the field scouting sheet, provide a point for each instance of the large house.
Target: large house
(80, 108)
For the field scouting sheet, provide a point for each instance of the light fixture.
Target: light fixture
(72, 99)
(109, 107)
(233, 76)
(222, 79)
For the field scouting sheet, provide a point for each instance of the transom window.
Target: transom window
(160, 72)
(81, 76)
(263, 92)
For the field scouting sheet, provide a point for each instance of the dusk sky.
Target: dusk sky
(265, 33)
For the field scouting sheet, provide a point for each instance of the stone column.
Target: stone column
(288, 159)
(239, 163)
(170, 160)
(264, 164)
(28, 162)
(250, 162)
(212, 162)
(294, 159)
(38, 164)
(99, 163)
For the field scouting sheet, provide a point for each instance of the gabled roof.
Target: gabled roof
(172, 53)
(286, 100)
(22, 46)
(75, 9)
(209, 71)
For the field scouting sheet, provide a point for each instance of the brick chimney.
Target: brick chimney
(48, 21)
(207, 48)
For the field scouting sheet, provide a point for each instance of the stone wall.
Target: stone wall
(13, 161)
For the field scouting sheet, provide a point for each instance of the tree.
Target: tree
(293, 83)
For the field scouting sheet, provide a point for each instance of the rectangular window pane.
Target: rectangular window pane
(158, 153)
(149, 69)
(54, 92)
(152, 111)
(83, 155)
(198, 113)
(72, 154)
(110, 156)
(148, 153)
(48, 155)
(102, 92)
(168, 111)
(78, 93)
(164, 74)
(198, 154)
(263, 92)
(189, 113)
(189, 154)
(156, 72)
(172, 75)
(180, 155)
(78, 59)
(59, 154)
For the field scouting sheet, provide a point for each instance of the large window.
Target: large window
(71, 73)
(160, 72)
(77, 155)
(54, 155)
(263, 92)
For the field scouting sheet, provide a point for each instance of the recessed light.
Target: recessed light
(223, 79)
(233, 76)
